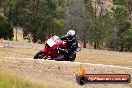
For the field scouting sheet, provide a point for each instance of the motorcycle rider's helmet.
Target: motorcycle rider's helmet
(71, 33)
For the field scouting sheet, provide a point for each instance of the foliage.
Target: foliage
(6, 30)
(120, 25)
(40, 18)
(120, 2)
(127, 37)
(120, 13)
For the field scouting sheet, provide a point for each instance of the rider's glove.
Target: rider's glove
(58, 48)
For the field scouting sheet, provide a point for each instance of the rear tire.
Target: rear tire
(39, 55)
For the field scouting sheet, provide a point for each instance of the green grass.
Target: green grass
(8, 81)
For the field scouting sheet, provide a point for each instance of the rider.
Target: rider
(72, 43)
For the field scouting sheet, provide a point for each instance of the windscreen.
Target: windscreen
(52, 41)
(56, 38)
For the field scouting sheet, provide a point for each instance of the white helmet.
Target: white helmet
(71, 32)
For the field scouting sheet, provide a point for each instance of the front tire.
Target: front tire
(39, 55)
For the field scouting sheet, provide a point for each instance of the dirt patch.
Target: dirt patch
(60, 74)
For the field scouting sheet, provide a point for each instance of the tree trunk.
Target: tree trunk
(130, 9)
(97, 44)
(122, 47)
(84, 42)
(95, 47)
(34, 38)
(16, 34)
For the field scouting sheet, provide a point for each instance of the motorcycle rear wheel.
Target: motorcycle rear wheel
(39, 55)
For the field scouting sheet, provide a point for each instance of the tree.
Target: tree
(120, 24)
(39, 18)
(87, 16)
(100, 30)
(129, 6)
(127, 38)
(6, 30)
(120, 2)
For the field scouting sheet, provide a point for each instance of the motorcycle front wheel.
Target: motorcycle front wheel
(39, 55)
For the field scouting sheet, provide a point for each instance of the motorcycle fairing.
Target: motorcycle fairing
(51, 42)
(50, 47)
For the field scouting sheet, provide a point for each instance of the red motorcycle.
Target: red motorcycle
(50, 51)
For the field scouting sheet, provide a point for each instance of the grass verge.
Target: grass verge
(8, 81)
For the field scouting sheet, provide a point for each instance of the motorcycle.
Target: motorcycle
(50, 52)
